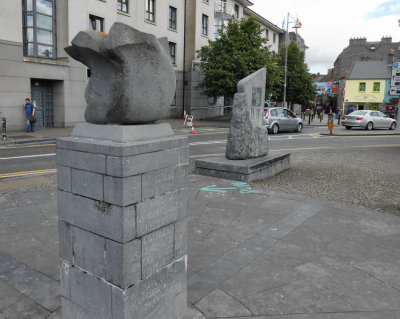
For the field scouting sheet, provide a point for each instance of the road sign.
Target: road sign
(395, 79)
(394, 90)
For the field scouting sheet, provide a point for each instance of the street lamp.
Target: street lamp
(296, 26)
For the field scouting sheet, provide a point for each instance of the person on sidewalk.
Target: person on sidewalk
(29, 111)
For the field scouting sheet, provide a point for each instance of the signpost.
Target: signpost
(395, 88)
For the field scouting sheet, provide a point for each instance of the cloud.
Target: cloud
(387, 8)
(328, 26)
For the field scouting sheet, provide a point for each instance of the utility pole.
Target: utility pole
(286, 52)
(297, 25)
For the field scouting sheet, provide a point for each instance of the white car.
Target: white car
(368, 119)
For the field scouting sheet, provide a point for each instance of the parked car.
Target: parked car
(279, 119)
(369, 120)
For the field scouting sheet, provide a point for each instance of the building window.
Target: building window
(377, 86)
(39, 28)
(96, 23)
(274, 37)
(222, 6)
(267, 33)
(204, 25)
(172, 18)
(173, 102)
(172, 52)
(122, 5)
(361, 87)
(150, 10)
(236, 11)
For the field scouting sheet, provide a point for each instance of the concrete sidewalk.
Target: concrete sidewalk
(50, 134)
(252, 254)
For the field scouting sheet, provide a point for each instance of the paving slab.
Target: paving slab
(254, 254)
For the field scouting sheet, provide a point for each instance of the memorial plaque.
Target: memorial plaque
(256, 97)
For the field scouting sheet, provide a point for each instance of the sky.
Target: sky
(327, 26)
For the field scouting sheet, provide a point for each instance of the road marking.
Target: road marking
(208, 142)
(212, 133)
(244, 188)
(26, 173)
(28, 156)
(26, 146)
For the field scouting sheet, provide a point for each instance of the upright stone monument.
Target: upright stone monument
(121, 197)
(248, 136)
(247, 146)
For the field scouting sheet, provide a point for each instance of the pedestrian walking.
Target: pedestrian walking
(351, 109)
(30, 115)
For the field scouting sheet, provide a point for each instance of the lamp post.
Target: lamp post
(297, 25)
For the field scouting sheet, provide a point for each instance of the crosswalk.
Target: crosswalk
(270, 138)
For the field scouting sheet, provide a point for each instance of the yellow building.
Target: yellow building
(366, 85)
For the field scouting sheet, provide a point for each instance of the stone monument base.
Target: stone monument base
(243, 170)
(122, 222)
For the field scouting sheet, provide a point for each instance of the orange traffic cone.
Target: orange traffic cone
(184, 114)
(192, 131)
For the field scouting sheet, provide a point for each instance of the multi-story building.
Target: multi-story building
(34, 33)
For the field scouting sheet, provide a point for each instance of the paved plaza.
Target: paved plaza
(320, 241)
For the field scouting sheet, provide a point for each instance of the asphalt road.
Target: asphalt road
(26, 160)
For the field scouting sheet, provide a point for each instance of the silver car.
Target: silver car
(280, 119)
(368, 119)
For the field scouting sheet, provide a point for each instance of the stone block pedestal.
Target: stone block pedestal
(248, 170)
(122, 222)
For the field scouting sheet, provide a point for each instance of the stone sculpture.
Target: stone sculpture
(132, 79)
(248, 136)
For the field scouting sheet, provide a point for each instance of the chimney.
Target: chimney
(391, 57)
(386, 40)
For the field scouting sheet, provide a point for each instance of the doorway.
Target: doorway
(42, 98)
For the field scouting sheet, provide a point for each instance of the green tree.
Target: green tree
(299, 81)
(239, 51)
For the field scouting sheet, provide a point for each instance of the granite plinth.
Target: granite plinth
(122, 133)
(243, 170)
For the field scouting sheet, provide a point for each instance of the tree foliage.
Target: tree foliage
(299, 82)
(239, 51)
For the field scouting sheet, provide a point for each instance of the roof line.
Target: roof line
(265, 21)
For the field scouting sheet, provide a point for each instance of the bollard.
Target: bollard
(4, 129)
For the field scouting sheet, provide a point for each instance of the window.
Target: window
(274, 37)
(173, 103)
(150, 10)
(96, 23)
(172, 52)
(122, 5)
(361, 87)
(204, 25)
(377, 86)
(281, 113)
(172, 18)
(267, 33)
(236, 11)
(222, 6)
(39, 28)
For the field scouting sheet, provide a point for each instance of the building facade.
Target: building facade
(33, 63)
(368, 86)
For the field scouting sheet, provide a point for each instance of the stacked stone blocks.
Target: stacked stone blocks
(122, 227)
